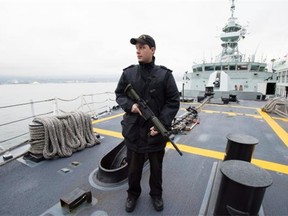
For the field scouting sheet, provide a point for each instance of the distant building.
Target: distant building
(280, 67)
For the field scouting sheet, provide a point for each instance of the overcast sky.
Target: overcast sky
(91, 37)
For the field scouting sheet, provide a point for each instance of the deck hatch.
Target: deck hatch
(75, 198)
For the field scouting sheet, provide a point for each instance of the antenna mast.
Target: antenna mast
(232, 8)
(231, 35)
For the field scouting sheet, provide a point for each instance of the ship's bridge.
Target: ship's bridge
(231, 67)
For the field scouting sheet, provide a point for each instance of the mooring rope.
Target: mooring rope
(60, 136)
(278, 106)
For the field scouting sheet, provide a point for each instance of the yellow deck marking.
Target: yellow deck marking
(107, 118)
(220, 155)
(198, 151)
(210, 111)
(108, 132)
(232, 113)
(282, 134)
(206, 153)
(235, 106)
(222, 105)
(271, 166)
(254, 116)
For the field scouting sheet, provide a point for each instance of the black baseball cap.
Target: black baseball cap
(143, 39)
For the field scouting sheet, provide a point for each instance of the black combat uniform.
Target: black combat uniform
(156, 85)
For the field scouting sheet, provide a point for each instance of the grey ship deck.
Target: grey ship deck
(35, 189)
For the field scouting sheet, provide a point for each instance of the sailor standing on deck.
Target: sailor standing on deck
(156, 85)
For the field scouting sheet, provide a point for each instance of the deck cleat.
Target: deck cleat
(33, 157)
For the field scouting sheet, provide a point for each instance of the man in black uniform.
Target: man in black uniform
(156, 85)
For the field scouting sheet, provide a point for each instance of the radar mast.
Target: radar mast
(232, 33)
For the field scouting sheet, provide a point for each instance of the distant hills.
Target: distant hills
(59, 79)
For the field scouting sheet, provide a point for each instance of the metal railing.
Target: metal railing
(93, 104)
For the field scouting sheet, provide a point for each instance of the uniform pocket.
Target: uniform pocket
(130, 130)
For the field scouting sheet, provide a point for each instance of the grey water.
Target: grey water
(99, 96)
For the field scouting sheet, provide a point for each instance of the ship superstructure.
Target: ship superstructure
(231, 72)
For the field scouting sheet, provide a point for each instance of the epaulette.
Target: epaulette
(129, 67)
(165, 68)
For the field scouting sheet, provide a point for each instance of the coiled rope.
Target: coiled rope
(60, 136)
(278, 106)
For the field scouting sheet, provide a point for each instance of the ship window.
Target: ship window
(242, 67)
(254, 67)
(199, 69)
(209, 68)
(218, 67)
(262, 69)
(225, 67)
(232, 67)
(194, 70)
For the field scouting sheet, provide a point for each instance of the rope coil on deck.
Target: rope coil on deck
(278, 106)
(60, 136)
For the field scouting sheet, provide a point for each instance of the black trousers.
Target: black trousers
(135, 168)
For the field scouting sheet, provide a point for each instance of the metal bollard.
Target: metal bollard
(241, 189)
(240, 147)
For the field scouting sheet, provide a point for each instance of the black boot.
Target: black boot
(158, 203)
(130, 204)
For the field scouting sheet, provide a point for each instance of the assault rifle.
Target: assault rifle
(148, 114)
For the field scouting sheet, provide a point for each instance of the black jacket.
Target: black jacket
(156, 85)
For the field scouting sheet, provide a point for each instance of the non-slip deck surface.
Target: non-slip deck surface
(37, 190)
